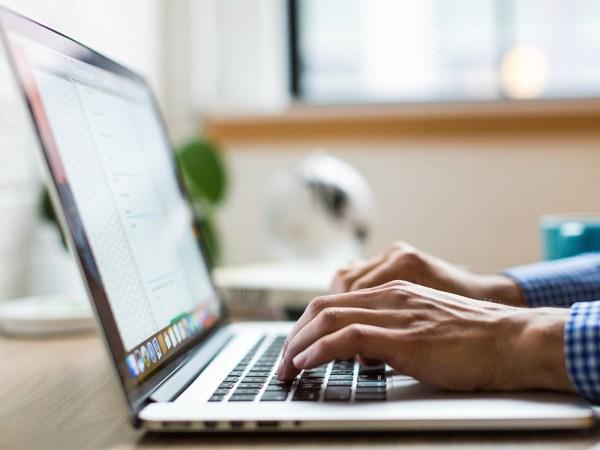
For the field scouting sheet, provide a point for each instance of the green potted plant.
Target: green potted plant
(206, 180)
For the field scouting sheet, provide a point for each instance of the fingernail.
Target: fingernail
(280, 368)
(300, 360)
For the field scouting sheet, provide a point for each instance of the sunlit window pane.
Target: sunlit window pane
(352, 51)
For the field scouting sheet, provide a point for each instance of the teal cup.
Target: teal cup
(569, 235)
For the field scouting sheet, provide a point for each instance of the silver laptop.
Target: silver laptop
(180, 365)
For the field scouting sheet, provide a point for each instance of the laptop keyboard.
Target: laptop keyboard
(254, 379)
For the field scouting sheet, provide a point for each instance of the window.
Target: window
(384, 51)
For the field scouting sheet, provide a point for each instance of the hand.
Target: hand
(442, 339)
(401, 261)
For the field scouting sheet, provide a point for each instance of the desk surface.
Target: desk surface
(58, 393)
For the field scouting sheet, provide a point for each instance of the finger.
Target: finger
(328, 322)
(369, 341)
(363, 361)
(379, 275)
(343, 280)
(358, 299)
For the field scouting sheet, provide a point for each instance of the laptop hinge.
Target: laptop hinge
(186, 374)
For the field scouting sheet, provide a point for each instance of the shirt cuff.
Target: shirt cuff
(582, 348)
(560, 282)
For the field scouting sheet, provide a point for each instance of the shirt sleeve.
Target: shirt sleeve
(561, 282)
(582, 348)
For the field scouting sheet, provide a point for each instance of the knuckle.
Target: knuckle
(413, 258)
(329, 316)
(398, 291)
(398, 285)
(399, 245)
(342, 272)
(318, 304)
(355, 332)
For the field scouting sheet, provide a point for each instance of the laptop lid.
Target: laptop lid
(115, 180)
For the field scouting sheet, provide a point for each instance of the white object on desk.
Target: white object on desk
(45, 315)
(270, 290)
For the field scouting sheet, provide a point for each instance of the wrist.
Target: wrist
(502, 289)
(538, 355)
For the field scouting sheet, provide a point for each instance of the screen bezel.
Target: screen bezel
(136, 394)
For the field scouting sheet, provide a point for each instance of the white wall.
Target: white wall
(473, 201)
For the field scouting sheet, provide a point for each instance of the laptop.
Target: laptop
(180, 364)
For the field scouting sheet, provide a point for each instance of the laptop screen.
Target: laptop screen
(114, 173)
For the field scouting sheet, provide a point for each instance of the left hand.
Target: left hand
(442, 339)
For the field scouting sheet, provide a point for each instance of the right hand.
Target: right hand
(445, 340)
(401, 261)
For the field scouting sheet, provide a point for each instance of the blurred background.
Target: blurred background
(469, 119)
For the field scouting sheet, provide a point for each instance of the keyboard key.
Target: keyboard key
(226, 385)
(277, 382)
(370, 390)
(337, 394)
(311, 371)
(306, 396)
(371, 377)
(371, 384)
(341, 377)
(251, 385)
(367, 396)
(254, 380)
(274, 396)
(311, 380)
(309, 387)
(242, 398)
(221, 391)
(343, 366)
(342, 372)
(261, 373)
(242, 391)
(216, 398)
(231, 379)
(276, 388)
(340, 383)
(236, 373)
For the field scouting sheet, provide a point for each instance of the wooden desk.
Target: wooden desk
(58, 393)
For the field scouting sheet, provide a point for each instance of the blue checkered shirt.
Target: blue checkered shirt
(575, 283)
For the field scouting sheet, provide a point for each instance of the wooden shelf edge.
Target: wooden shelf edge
(313, 123)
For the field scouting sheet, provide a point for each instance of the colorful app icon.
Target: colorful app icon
(206, 318)
(145, 356)
(157, 348)
(173, 337)
(167, 340)
(134, 371)
(140, 361)
(182, 330)
(177, 333)
(161, 341)
(152, 352)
